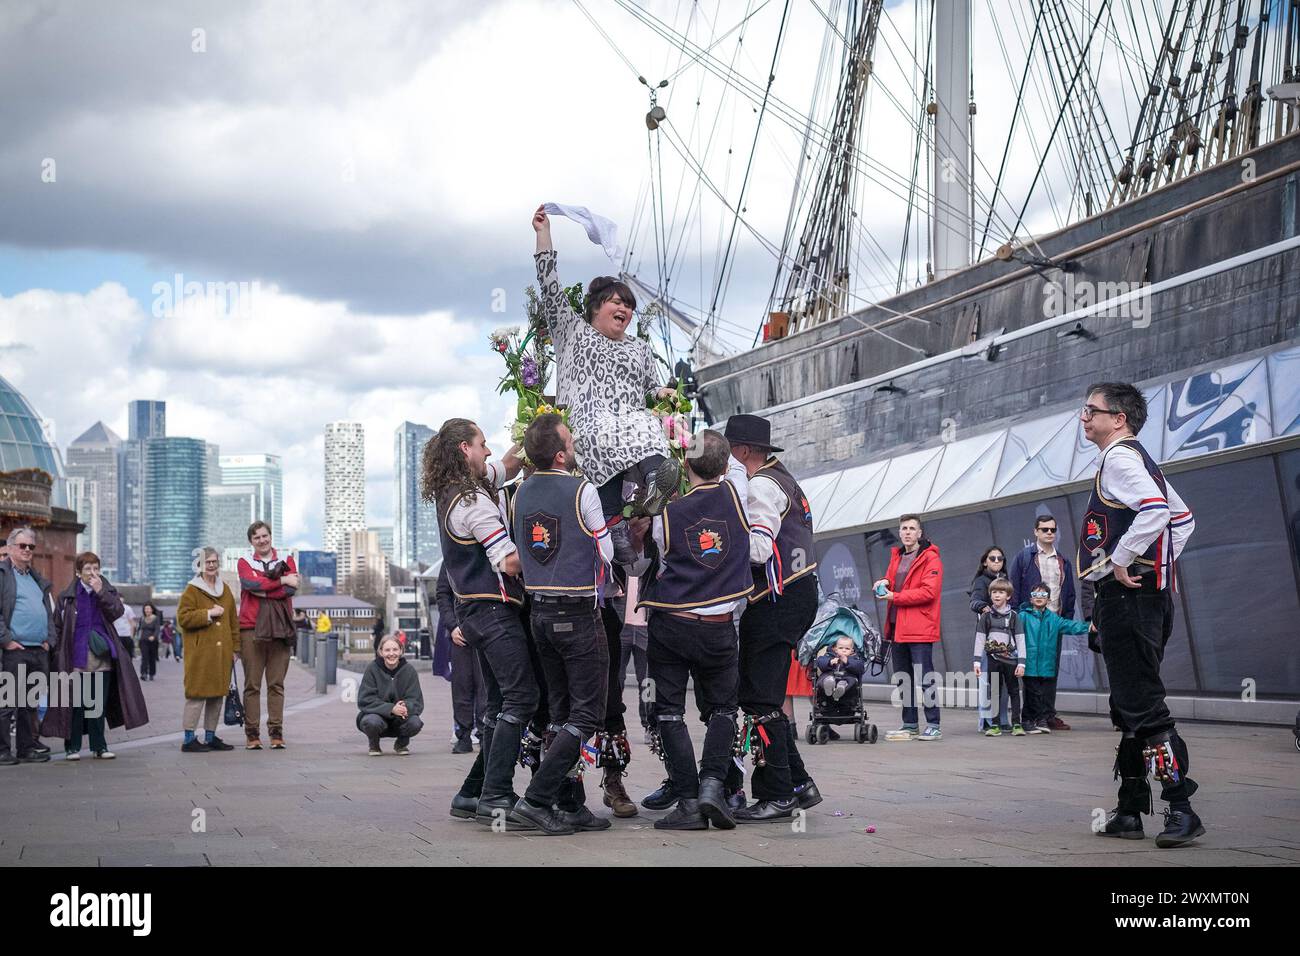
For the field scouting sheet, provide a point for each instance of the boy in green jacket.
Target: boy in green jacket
(1043, 630)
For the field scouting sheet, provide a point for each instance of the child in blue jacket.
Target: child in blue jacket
(1043, 630)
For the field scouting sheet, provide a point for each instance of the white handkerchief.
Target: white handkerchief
(603, 232)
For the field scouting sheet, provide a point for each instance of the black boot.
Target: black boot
(766, 811)
(713, 804)
(499, 760)
(584, 821)
(808, 795)
(1181, 828)
(547, 820)
(488, 810)
(685, 816)
(663, 798)
(1125, 821)
(464, 807)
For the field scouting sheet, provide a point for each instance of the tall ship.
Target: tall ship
(950, 272)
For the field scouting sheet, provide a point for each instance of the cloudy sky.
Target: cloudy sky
(368, 172)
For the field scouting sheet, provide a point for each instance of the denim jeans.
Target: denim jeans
(33, 661)
(571, 644)
(494, 630)
(914, 663)
(375, 726)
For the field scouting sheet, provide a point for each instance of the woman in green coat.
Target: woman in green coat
(208, 619)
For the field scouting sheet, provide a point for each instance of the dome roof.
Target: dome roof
(22, 440)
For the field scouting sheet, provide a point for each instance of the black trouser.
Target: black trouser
(468, 690)
(1006, 677)
(1134, 625)
(571, 644)
(493, 629)
(680, 648)
(148, 657)
(613, 721)
(1036, 688)
(611, 492)
(768, 631)
(375, 726)
(629, 652)
(33, 661)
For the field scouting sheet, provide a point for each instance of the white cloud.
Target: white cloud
(262, 382)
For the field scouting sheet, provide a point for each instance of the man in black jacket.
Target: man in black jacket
(468, 693)
(27, 635)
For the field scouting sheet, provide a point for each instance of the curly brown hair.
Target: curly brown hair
(444, 470)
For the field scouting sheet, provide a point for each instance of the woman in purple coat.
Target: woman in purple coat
(88, 648)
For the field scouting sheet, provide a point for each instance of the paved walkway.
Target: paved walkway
(966, 800)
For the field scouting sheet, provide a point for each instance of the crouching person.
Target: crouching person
(390, 700)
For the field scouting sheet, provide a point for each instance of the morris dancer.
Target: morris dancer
(782, 606)
(483, 567)
(702, 541)
(564, 553)
(1135, 517)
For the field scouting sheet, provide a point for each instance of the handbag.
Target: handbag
(234, 715)
(98, 644)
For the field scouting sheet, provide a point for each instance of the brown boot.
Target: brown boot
(616, 797)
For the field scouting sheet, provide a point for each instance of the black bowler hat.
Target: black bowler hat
(750, 430)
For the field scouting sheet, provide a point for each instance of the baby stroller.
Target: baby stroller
(835, 620)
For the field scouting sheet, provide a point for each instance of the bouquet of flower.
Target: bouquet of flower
(529, 356)
(673, 413)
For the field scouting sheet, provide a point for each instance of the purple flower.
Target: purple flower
(528, 372)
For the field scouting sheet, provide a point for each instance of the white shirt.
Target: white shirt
(1124, 478)
(764, 502)
(484, 519)
(1049, 570)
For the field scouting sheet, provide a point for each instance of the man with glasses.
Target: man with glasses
(26, 636)
(1041, 563)
(1134, 529)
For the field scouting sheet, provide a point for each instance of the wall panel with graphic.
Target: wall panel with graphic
(1238, 603)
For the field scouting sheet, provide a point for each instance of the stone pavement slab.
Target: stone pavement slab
(966, 800)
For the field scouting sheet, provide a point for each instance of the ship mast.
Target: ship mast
(817, 288)
(951, 215)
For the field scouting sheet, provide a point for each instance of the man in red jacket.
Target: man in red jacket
(266, 633)
(913, 586)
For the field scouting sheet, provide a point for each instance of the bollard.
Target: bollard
(310, 659)
(332, 659)
(322, 685)
(304, 638)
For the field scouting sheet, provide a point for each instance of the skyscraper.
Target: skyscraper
(266, 475)
(415, 522)
(384, 535)
(146, 419)
(131, 511)
(345, 482)
(231, 509)
(93, 458)
(175, 506)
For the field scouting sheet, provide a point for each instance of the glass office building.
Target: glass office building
(175, 492)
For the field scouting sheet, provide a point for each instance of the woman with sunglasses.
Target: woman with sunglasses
(993, 565)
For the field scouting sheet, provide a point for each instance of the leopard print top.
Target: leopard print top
(603, 383)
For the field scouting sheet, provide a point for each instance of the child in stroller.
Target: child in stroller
(840, 670)
(834, 652)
